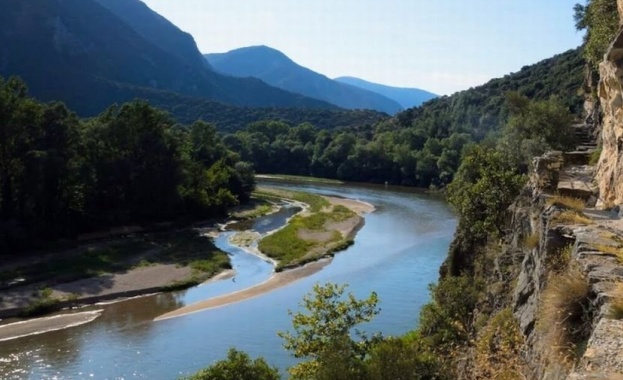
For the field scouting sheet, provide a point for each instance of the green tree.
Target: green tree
(600, 18)
(485, 185)
(403, 358)
(322, 334)
(237, 366)
(548, 120)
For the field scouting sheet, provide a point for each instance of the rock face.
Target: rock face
(610, 91)
(533, 215)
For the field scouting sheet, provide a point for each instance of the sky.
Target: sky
(441, 46)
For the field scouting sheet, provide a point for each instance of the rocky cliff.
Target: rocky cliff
(570, 279)
(610, 92)
(553, 304)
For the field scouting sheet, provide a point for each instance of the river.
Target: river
(397, 254)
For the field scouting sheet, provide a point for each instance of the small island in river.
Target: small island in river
(178, 259)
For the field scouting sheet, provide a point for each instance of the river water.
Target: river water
(397, 254)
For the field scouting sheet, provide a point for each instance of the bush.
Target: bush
(485, 185)
(600, 18)
(447, 319)
(237, 366)
(403, 358)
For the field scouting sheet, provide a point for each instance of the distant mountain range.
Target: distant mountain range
(91, 53)
(276, 69)
(406, 97)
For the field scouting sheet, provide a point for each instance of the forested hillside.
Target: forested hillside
(229, 118)
(421, 146)
(61, 176)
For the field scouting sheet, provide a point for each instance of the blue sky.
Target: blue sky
(439, 45)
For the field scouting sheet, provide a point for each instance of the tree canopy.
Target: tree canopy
(61, 176)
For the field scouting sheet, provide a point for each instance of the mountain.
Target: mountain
(275, 68)
(406, 97)
(157, 30)
(77, 50)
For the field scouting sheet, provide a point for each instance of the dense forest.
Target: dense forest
(421, 146)
(231, 118)
(61, 176)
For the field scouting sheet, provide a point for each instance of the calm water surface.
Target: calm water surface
(397, 254)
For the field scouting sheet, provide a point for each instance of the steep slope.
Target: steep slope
(73, 50)
(275, 68)
(157, 30)
(406, 97)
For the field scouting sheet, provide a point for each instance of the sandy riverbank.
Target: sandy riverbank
(146, 280)
(280, 279)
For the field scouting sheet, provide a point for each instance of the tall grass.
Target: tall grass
(572, 217)
(616, 306)
(532, 241)
(566, 313)
(575, 204)
(616, 251)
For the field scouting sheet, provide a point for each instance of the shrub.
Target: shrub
(446, 320)
(403, 358)
(237, 366)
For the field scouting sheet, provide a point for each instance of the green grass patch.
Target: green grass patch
(44, 303)
(288, 247)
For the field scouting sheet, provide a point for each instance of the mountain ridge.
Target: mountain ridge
(407, 97)
(277, 69)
